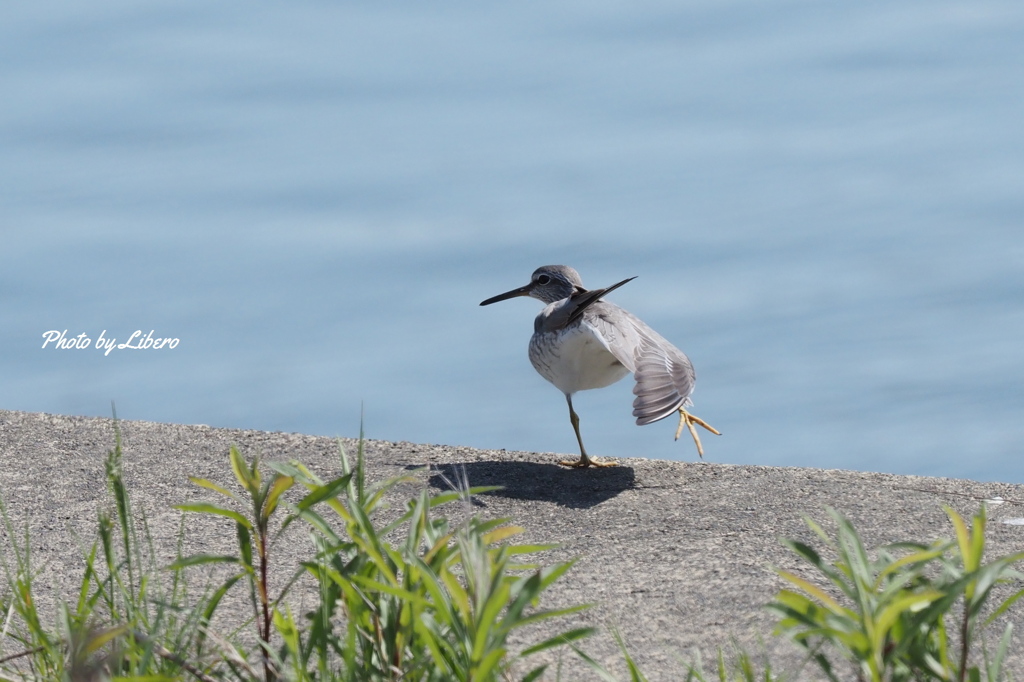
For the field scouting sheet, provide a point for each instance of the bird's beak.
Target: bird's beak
(521, 291)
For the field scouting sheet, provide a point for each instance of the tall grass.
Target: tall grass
(890, 617)
(127, 619)
(437, 602)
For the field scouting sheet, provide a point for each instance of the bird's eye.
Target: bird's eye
(544, 279)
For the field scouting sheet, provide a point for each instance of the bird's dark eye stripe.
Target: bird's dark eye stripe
(543, 279)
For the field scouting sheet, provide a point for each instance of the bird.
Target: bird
(581, 342)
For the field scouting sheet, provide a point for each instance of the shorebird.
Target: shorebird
(581, 341)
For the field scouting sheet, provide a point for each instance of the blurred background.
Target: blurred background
(822, 202)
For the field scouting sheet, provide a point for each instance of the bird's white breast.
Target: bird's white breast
(575, 359)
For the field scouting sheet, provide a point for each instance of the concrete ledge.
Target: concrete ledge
(676, 555)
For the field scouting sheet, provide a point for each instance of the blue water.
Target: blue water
(823, 203)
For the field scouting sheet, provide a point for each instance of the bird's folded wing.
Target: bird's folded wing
(619, 339)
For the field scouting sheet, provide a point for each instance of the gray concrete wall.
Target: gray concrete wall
(677, 555)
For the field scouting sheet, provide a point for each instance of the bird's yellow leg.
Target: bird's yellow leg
(687, 419)
(584, 461)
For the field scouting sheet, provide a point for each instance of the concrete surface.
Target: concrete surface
(678, 556)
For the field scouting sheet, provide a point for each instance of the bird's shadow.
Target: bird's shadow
(573, 488)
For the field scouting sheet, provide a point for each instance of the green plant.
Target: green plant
(893, 624)
(889, 616)
(740, 666)
(439, 605)
(127, 620)
(252, 530)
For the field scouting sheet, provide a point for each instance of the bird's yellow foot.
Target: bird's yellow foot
(688, 420)
(584, 462)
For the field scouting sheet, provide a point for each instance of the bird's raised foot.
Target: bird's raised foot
(688, 420)
(584, 462)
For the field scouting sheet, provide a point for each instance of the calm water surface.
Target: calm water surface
(823, 203)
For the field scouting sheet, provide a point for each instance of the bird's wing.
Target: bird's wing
(664, 376)
(562, 314)
(620, 339)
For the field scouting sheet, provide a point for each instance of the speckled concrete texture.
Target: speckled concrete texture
(678, 556)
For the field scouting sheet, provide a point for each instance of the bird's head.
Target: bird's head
(548, 283)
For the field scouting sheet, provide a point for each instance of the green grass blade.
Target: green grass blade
(210, 485)
(242, 472)
(203, 559)
(277, 488)
(328, 490)
(207, 508)
(559, 640)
